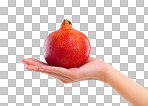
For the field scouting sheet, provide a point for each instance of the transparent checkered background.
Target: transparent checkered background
(117, 30)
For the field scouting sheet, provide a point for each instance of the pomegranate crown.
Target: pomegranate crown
(66, 24)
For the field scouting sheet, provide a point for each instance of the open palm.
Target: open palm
(93, 69)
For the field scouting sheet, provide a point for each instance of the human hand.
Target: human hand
(93, 69)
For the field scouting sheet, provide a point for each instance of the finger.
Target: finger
(73, 69)
(34, 68)
(62, 78)
(31, 67)
(37, 60)
(63, 81)
(31, 61)
(90, 59)
(59, 70)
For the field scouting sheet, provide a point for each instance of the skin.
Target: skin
(94, 69)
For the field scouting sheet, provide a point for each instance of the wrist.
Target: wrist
(109, 72)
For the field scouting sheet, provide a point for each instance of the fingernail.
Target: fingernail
(24, 63)
(42, 70)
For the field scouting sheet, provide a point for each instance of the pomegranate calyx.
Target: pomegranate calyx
(66, 24)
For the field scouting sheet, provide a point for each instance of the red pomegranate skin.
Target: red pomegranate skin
(66, 47)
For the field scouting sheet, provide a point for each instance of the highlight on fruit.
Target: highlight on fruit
(66, 47)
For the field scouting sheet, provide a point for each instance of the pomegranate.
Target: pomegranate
(66, 47)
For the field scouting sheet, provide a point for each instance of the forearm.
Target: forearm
(134, 93)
